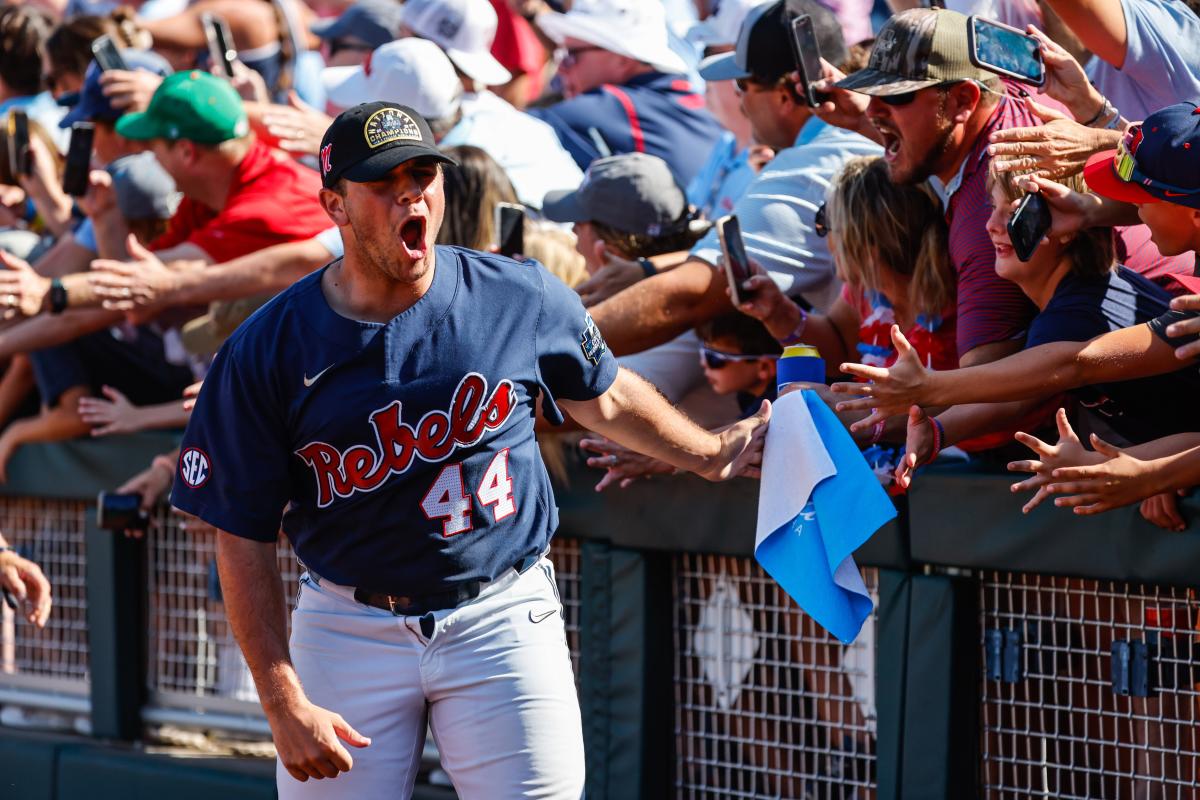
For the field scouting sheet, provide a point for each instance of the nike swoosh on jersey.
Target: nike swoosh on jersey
(310, 381)
(542, 617)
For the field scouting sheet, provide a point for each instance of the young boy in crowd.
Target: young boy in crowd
(739, 357)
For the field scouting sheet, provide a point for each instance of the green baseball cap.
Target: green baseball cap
(915, 49)
(190, 105)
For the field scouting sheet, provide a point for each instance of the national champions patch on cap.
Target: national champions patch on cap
(390, 125)
(368, 141)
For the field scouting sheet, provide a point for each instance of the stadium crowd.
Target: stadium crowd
(876, 221)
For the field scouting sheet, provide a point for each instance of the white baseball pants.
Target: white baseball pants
(493, 683)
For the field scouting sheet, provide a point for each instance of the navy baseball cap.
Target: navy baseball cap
(368, 141)
(1157, 161)
(375, 22)
(90, 105)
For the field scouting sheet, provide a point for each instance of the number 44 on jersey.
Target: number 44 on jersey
(447, 498)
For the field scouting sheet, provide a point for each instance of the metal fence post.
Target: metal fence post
(116, 600)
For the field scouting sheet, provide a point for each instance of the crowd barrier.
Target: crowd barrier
(1012, 656)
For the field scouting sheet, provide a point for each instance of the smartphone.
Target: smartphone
(808, 58)
(510, 229)
(1004, 50)
(1028, 225)
(221, 51)
(20, 158)
(79, 159)
(121, 512)
(107, 55)
(736, 262)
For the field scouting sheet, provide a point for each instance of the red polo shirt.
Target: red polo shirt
(273, 199)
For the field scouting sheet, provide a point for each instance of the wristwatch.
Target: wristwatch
(58, 296)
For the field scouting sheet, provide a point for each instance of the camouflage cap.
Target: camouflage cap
(916, 49)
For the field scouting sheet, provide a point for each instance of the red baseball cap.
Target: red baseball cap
(1189, 282)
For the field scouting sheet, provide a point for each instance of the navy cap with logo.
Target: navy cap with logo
(368, 141)
(764, 45)
(1157, 161)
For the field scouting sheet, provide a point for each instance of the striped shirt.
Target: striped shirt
(990, 308)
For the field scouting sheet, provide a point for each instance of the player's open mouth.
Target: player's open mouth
(412, 235)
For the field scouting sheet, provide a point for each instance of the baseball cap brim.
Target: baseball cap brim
(722, 67)
(1101, 177)
(139, 126)
(327, 28)
(345, 87)
(1189, 282)
(882, 84)
(564, 205)
(561, 26)
(377, 166)
(482, 67)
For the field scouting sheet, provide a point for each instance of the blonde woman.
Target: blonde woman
(889, 246)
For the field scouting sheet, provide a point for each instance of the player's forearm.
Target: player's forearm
(253, 592)
(658, 309)
(633, 413)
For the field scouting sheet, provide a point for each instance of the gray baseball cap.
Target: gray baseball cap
(375, 22)
(144, 189)
(633, 193)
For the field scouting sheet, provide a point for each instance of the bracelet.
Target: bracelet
(939, 438)
(797, 333)
(648, 267)
(58, 296)
(1104, 106)
(1112, 123)
(876, 432)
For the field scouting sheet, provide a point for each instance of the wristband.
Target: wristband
(1112, 123)
(58, 296)
(939, 438)
(648, 267)
(797, 333)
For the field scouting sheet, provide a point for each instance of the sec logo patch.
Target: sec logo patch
(194, 467)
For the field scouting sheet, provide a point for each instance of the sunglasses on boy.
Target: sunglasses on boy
(715, 359)
(1126, 166)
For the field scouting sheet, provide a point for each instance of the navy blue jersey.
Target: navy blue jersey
(403, 452)
(654, 113)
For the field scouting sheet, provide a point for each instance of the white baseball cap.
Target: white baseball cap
(635, 29)
(465, 29)
(722, 27)
(412, 72)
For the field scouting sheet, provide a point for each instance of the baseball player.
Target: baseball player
(383, 408)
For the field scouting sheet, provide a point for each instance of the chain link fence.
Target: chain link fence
(47, 668)
(1090, 689)
(194, 661)
(767, 704)
(567, 555)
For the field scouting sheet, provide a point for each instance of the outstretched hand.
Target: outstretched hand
(890, 391)
(622, 466)
(918, 446)
(1068, 451)
(1113, 478)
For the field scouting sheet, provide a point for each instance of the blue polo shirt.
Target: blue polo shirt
(400, 457)
(655, 113)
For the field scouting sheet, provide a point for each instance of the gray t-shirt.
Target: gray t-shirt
(1162, 59)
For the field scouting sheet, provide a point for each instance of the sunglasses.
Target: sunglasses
(821, 222)
(905, 98)
(570, 57)
(715, 359)
(338, 45)
(1127, 168)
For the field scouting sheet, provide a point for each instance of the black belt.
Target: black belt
(414, 605)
